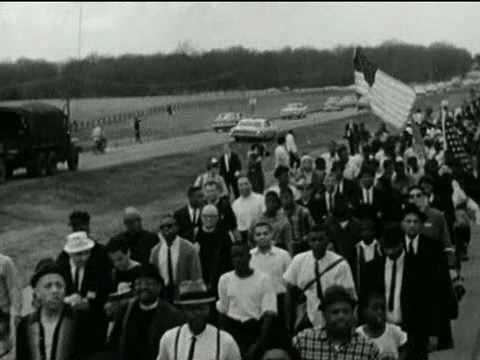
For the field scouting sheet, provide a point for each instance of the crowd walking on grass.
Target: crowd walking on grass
(354, 255)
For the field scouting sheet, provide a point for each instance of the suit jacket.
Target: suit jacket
(349, 189)
(227, 218)
(185, 224)
(234, 165)
(140, 244)
(324, 213)
(122, 340)
(344, 240)
(188, 266)
(421, 287)
(70, 342)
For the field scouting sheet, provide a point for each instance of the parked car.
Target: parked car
(226, 121)
(258, 129)
(36, 136)
(348, 101)
(332, 104)
(294, 111)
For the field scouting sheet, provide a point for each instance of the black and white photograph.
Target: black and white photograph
(239, 181)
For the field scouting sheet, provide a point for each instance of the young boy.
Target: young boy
(390, 339)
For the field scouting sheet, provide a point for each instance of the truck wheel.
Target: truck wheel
(38, 165)
(3, 171)
(52, 163)
(72, 160)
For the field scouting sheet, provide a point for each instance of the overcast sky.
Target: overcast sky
(50, 30)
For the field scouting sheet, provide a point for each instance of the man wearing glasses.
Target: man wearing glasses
(176, 259)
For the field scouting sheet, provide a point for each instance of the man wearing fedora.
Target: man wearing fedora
(54, 330)
(197, 340)
(141, 323)
(87, 284)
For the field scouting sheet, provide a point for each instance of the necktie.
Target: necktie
(191, 352)
(170, 287)
(76, 280)
(318, 283)
(370, 196)
(393, 280)
(227, 158)
(411, 249)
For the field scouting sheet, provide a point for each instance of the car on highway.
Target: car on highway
(348, 101)
(254, 129)
(35, 136)
(363, 103)
(295, 110)
(226, 121)
(332, 104)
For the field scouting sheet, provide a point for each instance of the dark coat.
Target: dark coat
(185, 224)
(234, 165)
(70, 340)
(344, 240)
(227, 219)
(322, 205)
(140, 244)
(165, 318)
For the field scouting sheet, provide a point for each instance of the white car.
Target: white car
(294, 111)
(332, 104)
(226, 121)
(348, 101)
(419, 90)
(258, 129)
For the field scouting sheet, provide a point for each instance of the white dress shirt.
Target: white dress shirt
(274, 263)
(290, 144)
(248, 209)
(368, 250)
(394, 316)
(227, 161)
(367, 195)
(248, 298)
(163, 258)
(302, 271)
(205, 345)
(194, 214)
(282, 157)
(81, 274)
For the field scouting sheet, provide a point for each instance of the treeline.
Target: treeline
(235, 68)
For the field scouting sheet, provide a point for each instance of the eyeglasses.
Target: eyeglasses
(416, 195)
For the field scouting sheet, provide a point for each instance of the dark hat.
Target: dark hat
(149, 271)
(194, 293)
(335, 294)
(413, 209)
(45, 267)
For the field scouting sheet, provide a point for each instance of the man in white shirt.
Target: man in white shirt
(247, 303)
(248, 208)
(282, 157)
(312, 272)
(292, 149)
(270, 260)
(197, 340)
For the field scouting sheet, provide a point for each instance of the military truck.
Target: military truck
(35, 136)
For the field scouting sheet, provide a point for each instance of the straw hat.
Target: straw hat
(78, 242)
(194, 293)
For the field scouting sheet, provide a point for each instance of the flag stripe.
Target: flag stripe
(390, 99)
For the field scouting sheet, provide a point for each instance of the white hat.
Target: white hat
(78, 242)
(194, 293)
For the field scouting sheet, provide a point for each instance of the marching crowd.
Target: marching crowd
(353, 255)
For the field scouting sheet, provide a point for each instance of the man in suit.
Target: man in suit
(140, 242)
(175, 258)
(351, 134)
(230, 167)
(328, 198)
(345, 187)
(369, 198)
(213, 196)
(409, 276)
(87, 284)
(188, 217)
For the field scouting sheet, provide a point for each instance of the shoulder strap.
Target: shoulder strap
(217, 355)
(327, 269)
(177, 338)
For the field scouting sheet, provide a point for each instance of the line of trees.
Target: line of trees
(235, 68)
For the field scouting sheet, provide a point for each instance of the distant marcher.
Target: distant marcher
(337, 339)
(136, 128)
(255, 169)
(213, 196)
(212, 174)
(282, 156)
(284, 181)
(292, 149)
(170, 109)
(230, 167)
(197, 339)
(188, 217)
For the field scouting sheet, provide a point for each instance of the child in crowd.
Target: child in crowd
(389, 338)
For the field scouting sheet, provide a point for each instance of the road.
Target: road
(188, 143)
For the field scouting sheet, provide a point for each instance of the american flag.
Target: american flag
(456, 146)
(390, 99)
